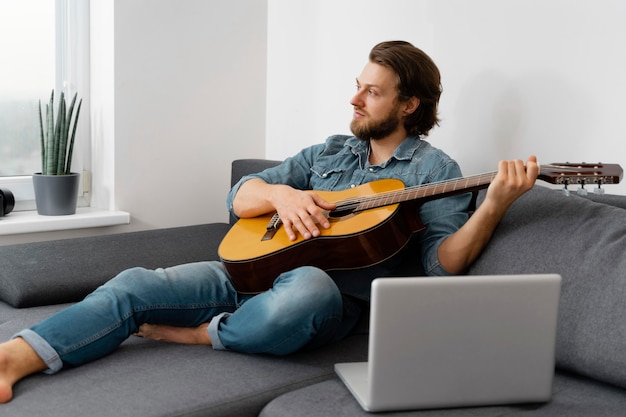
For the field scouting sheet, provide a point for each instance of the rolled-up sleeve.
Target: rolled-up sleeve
(294, 171)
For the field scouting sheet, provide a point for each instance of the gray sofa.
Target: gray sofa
(583, 239)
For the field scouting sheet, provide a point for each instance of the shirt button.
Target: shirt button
(371, 169)
(324, 175)
(352, 185)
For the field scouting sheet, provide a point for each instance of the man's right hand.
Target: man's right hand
(300, 211)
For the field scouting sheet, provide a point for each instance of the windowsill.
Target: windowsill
(30, 222)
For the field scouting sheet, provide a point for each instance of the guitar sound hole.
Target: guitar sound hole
(340, 214)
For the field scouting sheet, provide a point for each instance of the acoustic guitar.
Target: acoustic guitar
(371, 223)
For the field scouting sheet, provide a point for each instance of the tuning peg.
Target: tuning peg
(582, 190)
(599, 190)
(565, 190)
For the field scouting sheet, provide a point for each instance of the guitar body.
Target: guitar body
(353, 241)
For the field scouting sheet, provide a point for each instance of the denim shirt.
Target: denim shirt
(342, 162)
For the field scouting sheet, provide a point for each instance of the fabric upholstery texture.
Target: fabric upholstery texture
(572, 396)
(151, 379)
(67, 270)
(584, 241)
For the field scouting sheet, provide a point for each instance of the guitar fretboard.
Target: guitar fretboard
(426, 191)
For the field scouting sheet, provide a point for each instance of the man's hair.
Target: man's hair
(417, 76)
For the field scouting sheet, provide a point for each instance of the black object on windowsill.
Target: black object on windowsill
(7, 202)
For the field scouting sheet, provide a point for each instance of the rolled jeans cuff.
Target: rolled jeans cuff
(214, 325)
(43, 349)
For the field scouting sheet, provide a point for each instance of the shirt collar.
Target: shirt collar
(405, 151)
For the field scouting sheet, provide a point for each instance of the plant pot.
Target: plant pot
(56, 195)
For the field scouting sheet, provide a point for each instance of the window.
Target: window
(44, 45)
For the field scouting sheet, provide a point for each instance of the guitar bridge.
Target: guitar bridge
(272, 227)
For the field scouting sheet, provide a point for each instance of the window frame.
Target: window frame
(72, 70)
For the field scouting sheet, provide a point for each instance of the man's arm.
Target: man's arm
(300, 211)
(460, 249)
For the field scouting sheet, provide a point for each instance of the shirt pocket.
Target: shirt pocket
(325, 178)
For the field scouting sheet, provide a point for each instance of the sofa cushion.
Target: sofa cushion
(572, 396)
(63, 271)
(156, 379)
(611, 199)
(585, 241)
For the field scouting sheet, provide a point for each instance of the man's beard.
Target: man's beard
(376, 129)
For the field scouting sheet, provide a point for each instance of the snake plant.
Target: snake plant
(57, 144)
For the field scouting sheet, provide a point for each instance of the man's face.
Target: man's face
(377, 111)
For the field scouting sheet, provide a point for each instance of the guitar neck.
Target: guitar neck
(557, 173)
(425, 192)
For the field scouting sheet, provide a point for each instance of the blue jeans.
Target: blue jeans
(304, 309)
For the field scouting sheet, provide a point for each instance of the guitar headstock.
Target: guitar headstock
(581, 173)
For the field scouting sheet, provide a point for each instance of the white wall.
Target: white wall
(520, 77)
(189, 98)
(178, 92)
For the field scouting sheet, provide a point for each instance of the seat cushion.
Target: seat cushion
(149, 379)
(573, 396)
(62, 271)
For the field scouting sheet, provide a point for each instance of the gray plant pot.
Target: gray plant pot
(56, 195)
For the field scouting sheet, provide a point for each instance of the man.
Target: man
(395, 106)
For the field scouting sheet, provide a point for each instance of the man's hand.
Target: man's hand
(514, 178)
(300, 211)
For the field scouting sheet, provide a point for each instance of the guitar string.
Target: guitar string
(410, 193)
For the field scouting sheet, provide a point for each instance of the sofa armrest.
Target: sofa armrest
(62, 271)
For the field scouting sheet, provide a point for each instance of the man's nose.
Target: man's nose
(357, 99)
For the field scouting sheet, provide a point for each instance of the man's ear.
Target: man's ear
(411, 105)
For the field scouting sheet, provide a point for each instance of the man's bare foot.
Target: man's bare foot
(17, 360)
(185, 335)
(6, 385)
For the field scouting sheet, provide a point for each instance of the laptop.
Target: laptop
(457, 341)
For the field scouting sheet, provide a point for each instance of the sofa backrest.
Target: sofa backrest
(242, 167)
(63, 271)
(545, 231)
